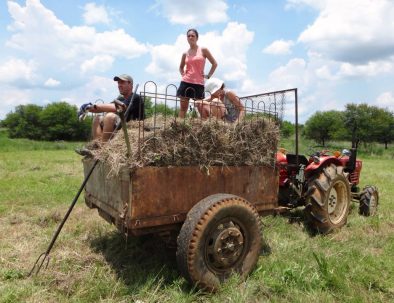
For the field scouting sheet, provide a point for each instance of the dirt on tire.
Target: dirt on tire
(221, 235)
(369, 201)
(328, 206)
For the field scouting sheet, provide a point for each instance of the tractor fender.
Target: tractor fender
(325, 161)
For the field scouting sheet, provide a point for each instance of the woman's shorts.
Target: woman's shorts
(190, 90)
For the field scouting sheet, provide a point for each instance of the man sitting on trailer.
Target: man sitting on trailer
(104, 126)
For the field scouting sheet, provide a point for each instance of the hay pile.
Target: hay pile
(191, 143)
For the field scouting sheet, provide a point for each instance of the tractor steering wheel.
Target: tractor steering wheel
(314, 151)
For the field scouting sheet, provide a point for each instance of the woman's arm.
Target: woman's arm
(207, 54)
(237, 103)
(182, 64)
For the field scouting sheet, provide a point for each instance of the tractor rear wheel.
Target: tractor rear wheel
(328, 205)
(369, 200)
(221, 235)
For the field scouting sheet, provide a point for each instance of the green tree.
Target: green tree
(59, 122)
(358, 122)
(382, 122)
(24, 122)
(158, 108)
(324, 126)
(287, 129)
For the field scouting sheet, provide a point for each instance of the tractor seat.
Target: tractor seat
(292, 159)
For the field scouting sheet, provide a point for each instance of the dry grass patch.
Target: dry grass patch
(192, 143)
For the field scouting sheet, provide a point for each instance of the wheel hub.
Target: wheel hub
(228, 245)
(332, 200)
(337, 202)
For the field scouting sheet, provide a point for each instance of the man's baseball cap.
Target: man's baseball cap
(123, 77)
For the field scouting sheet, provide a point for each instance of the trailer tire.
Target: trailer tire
(221, 235)
(369, 200)
(328, 204)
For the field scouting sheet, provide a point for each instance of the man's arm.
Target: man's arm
(103, 108)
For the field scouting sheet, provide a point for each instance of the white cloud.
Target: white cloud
(40, 34)
(296, 4)
(324, 72)
(95, 14)
(95, 89)
(228, 48)
(51, 83)
(369, 69)
(193, 12)
(62, 57)
(354, 31)
(386, 100)
(165, 60)
(15, 70)
(293, 74)
(12, 97)
(97, 63)
(279, 47)
(315, 78)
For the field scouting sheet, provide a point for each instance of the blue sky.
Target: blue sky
(334, 51)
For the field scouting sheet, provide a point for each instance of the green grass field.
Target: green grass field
(92, 262)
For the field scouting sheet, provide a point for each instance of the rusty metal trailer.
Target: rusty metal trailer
(214, 212)
(223, 204)
(154, 199)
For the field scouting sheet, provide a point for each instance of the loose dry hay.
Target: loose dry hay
(191, 142)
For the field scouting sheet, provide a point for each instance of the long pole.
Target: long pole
(54, 238)
(45, 256)
(296, 126)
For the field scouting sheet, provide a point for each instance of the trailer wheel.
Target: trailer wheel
(220, 235)
(369, 200)
(329, 203)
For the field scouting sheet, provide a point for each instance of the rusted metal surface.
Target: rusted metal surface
(111, 192)
(162, 196)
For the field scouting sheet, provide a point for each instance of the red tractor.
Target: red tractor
(325, 183)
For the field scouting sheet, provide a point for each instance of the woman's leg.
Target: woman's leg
(203, 108)
(183, 107)
(216, 109)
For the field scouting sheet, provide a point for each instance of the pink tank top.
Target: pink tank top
(194, 72)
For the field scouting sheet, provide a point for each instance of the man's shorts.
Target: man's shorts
(190, 90)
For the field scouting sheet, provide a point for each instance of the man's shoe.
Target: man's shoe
(83, 152)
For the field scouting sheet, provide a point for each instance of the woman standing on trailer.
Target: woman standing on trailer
(192, 71)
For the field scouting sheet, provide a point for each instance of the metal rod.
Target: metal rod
(45, 256)
(54, 238)
(125, 133)
(296, 127)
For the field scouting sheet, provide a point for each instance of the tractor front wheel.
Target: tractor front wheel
(369, 200)
(221, 235)
(329, 203)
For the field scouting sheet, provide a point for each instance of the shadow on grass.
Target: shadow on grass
(138, 261)
(298, 216)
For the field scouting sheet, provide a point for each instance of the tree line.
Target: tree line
(358, 123)
(58, 121)
(55, 121)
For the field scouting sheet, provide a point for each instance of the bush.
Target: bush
(56, 121)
